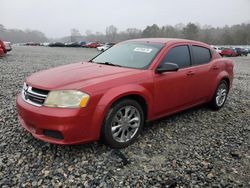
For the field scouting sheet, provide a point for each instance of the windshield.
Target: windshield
(137, 55)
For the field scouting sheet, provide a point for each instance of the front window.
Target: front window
(179, 55)
(137, 55)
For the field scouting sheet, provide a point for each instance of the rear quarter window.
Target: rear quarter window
(201, 55)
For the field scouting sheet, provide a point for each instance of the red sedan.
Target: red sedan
(115, 93)
(3, 50)
(93, 45)
(229, 52)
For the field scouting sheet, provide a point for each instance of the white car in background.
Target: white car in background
(7, 46)
(105, 47)
(217, 49)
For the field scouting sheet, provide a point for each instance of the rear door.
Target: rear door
(204, 72)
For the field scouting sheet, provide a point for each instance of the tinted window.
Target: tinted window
(201, 55)
(179, 55)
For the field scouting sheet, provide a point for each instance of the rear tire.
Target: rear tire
(123, 123)
(220, 95)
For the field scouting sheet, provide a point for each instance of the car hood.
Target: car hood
(76, 76)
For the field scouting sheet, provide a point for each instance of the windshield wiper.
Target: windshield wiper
(105, 63)
(109, 63)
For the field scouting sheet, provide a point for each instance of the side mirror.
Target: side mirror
(167, 67)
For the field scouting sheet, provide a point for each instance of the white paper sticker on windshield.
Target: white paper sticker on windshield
(145, 50)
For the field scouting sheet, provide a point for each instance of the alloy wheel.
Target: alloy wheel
(221, 94)
(125, 123)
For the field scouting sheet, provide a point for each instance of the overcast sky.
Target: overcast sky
(57, 17)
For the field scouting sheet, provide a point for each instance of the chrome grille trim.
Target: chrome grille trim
(35, 93)
(32, 97)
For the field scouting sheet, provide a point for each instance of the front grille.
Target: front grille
(34, 96)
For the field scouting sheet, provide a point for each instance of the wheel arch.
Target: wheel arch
(112, 96)
(138, 98)
(227, 80)
(136, 92)
(222, 76)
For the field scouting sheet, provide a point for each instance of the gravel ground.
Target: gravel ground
(195, 148)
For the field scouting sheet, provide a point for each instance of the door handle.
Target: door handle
(190, 73)
(215, 67)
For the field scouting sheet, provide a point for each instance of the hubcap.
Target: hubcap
(125, 123)
(221, 94)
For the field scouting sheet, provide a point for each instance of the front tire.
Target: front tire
(123, 123)
(220, 95)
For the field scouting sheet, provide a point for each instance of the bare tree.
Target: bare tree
(111, 32)
(75, 34)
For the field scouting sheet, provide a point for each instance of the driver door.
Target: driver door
(172, 88)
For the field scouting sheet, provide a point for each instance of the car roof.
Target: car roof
(166, 40)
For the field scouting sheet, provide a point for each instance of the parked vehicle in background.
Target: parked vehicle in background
(32, 44)
(105, 46)
(86, 44)
(247, 50)
(241, 51)
(72, 44)
(92, 45)
(44, 44)
(56, 44)
(82, 43)
(115, 93)
(217, 49)
(7, 46)
(3, 50)
(228, 52)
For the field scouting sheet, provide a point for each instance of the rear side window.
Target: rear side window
(201, 55)
(179, 55)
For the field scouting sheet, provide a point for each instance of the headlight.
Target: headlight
(67, 99)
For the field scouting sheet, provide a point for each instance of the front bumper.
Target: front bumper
(57, 125)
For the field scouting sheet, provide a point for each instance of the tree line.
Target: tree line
(228, 35)
(233, 35)
(21, 36)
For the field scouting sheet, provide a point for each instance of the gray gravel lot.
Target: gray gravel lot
(195, 148)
